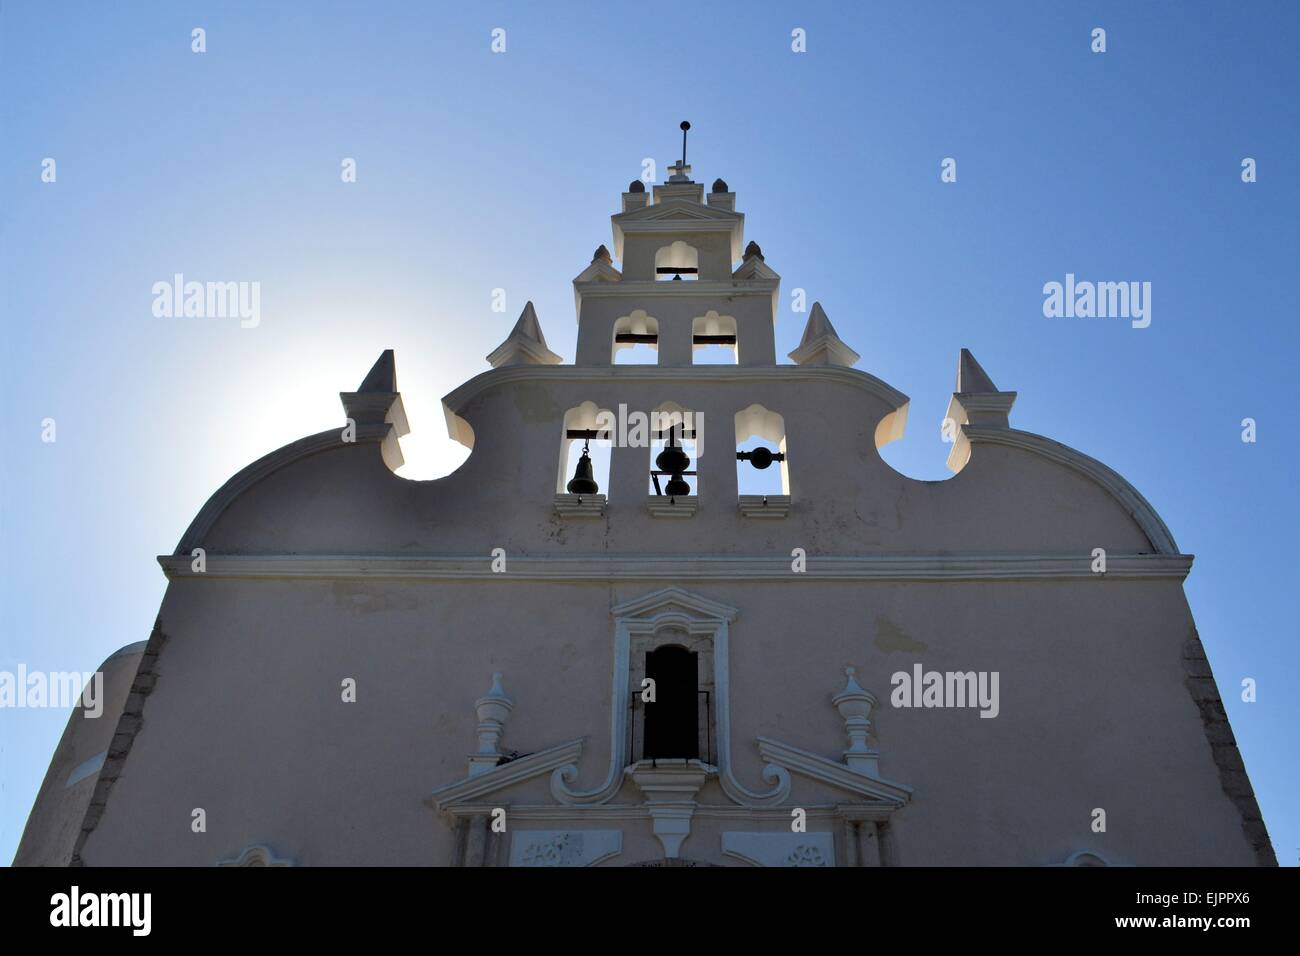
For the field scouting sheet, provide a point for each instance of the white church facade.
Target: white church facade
(632, 658)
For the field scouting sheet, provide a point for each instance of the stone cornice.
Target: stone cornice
(636, 811)
(455, 401)
(671, 209)
(566, 566)
(640, 289)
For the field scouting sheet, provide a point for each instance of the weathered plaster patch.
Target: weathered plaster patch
(535, 404)
(890, 638)
(364, 599)
(567, 655)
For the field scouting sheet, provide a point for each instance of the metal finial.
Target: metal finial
(685, 126)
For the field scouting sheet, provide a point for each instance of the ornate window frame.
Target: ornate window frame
(671, 611)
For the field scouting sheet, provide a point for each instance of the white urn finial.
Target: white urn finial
(492, 710)
(854, 705)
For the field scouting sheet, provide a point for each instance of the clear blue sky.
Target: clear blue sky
(479, 171)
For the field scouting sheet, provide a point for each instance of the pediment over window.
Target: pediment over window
(477, 789)
(674, 601)
(874, 791)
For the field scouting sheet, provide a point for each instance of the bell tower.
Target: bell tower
(685, 282)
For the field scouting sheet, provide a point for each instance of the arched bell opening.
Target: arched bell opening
(636, 339)
(675, 446)
(677, 262)
(584, 451)
(762, 466)
(713, 339)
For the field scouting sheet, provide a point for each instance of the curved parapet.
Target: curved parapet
(375, 414)
(268, 465)
(1129, 498)
(55, 823)
(1025, 494)
(982, 411)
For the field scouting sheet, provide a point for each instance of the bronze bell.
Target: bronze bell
(674, 461)
(583, 481)
(677, 486)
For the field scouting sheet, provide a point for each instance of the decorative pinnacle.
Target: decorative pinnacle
(525, 345)
(684, 127)
(820, 345)
(382, 377)
(971, 377)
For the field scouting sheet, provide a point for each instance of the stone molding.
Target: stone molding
(672, 506)
(580, 506)
(764, 506)
(566, 566)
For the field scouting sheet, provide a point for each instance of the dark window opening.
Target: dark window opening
(672, 729)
